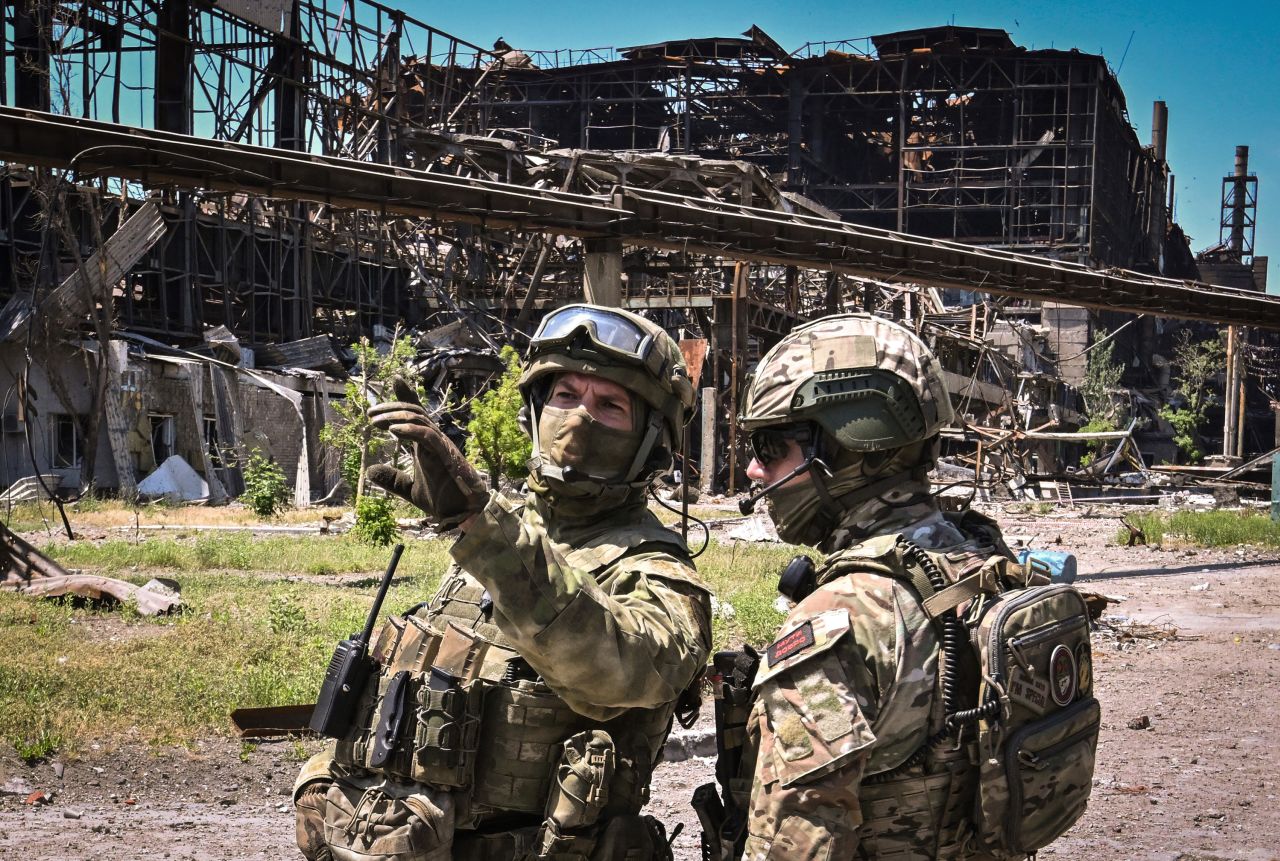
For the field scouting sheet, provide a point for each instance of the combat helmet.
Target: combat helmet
(622, 347)
(869, 383)
(865, 400)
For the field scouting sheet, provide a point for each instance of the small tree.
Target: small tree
(495, 441)
(350, 433)
(1102, 376)
(1196, 364)
(375, 520)
(265, 488)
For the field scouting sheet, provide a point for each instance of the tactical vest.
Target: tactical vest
(905, 779)
(483, 725)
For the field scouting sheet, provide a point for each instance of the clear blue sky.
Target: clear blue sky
(1213, 63)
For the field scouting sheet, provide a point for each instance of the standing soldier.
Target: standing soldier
(542, 679)
(866, 708)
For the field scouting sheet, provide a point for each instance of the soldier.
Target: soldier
(545, 672)
(843, 416)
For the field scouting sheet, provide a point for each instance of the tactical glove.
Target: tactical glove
(444, 484)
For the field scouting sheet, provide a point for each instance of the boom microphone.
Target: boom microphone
(746, 505)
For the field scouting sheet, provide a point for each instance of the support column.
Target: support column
(173, 67)
(1273, 289)
(602, 273)
(32, 22)
(707, 458)
(289, 64)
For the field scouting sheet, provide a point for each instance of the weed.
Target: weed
(246, 751)
(33, 749)
(298, 752)
(265, 488)
(1205, 528)
(285, 616)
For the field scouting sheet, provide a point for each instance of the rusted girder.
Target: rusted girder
(637, 217)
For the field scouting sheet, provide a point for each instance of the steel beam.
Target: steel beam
(637, 217)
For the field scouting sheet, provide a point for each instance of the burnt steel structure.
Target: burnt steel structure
(301, 75)
(945, 132)
(332, 167)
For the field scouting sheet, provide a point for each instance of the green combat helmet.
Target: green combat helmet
(869, 383)
(627, 349)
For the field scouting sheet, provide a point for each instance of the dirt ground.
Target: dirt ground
(1198, 784)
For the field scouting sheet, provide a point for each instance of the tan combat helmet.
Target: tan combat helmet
(629, 350)
(869, 383)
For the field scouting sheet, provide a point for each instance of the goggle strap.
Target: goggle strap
(646, 446)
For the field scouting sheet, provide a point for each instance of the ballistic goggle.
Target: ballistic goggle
(600, 329)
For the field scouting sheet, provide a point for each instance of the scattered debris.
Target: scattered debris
(1143, 722)
(1136, 534)
(1200, 587)
(30, 489)
(155, 598)
(757, 528)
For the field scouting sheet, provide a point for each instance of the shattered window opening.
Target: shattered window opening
(68, 444)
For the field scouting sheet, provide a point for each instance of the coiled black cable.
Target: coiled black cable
(952, 630)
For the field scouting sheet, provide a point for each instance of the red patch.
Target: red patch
(790, 644)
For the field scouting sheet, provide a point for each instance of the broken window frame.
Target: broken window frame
(59, 423)
(164, 423)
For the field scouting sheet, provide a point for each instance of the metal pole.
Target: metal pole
(1273, 288)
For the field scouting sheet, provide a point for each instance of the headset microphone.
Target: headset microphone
(746, 505)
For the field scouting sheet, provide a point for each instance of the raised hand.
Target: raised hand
(444, 484)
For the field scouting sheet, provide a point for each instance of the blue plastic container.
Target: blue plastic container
(1058, 565)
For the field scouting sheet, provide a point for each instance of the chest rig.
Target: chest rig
(456, 707)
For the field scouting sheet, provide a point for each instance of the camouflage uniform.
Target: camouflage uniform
(848, 694)
(604, 607)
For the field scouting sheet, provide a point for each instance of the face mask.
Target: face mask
(792, 509)
(572, 438)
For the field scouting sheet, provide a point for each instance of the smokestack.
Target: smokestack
(1240, 199)
(1159, 128)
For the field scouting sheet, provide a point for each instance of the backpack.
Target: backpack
(1034, 721)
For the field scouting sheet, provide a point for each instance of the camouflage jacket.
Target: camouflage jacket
(847, 690)
(608, 610)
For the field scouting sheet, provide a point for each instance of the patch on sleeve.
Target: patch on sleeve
(789, 644)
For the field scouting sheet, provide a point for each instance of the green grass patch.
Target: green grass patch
(68, 675)
(746, 576)
(1205, 528)
(236, 551)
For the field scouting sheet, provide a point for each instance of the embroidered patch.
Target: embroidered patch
(1084, 675)
(790, 644)
(1029, 690)
(1062, 674)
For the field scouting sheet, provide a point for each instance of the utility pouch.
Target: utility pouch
(582, 783)
(522, 738)
(416, 648)
(1048, 772)
(461, 653)
(448, 731)
(376, 820)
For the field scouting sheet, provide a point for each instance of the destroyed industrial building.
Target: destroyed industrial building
(202, 205)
